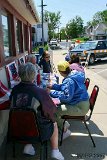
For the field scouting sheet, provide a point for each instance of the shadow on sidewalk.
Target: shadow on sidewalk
(77, 146)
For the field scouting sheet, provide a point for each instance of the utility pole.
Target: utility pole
(42, 5)
(42, 23)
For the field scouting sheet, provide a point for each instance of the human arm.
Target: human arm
(48, 106)
(66, 91)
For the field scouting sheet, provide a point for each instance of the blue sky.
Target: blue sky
(70, 8)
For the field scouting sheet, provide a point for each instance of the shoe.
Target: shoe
(29, 150)
(66, 134)
(66, 125)
(56, 154)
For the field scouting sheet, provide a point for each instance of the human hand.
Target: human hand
(49, 86)
(48, 90)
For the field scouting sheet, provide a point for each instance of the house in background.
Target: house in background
(16, 19)
(97, 32)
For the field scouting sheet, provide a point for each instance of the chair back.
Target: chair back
(87, 82)
(23, 125)
(92, 99)
(21, 60)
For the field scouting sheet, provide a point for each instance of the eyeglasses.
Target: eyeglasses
(47, 57)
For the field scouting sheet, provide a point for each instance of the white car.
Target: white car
(53, 42)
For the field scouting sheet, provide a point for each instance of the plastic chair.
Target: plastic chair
(84, 118)
(87, 82)
(23, 127)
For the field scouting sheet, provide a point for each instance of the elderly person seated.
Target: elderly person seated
(72, 93)
(75, 63)
(26, 93)
(31, 58)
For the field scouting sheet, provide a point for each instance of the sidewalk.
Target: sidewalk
(79, 145)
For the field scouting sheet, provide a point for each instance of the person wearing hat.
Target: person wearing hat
(72, 94)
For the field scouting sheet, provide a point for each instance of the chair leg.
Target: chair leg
(62, 133)
(89, 133)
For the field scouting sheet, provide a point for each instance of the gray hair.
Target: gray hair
(30, 57)
(27, 72)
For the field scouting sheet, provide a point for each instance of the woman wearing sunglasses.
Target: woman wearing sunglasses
(45, 62)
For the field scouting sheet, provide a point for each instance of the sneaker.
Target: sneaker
(57, 155)
(29, 150)
(66, 134)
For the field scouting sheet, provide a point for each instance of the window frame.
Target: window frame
(9, 24)
(5, 5)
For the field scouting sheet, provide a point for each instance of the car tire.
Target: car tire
(92, 59)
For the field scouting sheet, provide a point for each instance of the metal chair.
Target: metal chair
(87, 82)
(23, 127)
(92, 101)
(84, 118)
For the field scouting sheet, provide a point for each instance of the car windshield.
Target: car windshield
(80, 46)
(90, 45)
(53, 40)
(87, 45)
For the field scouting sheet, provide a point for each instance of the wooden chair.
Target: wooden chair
(87, 82)
(84, 118)
(23, 127)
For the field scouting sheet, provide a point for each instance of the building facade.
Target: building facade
(16, 19)
(97, 32)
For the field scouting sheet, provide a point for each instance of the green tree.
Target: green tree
(62, 33)
(99, 17)
(53, 20)
(75, 27)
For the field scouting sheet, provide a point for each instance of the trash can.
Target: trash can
(41, 51)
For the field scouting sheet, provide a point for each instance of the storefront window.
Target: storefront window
(19, 35)
(6, 35)
(25, 37)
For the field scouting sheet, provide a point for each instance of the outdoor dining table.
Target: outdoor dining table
(48, 79)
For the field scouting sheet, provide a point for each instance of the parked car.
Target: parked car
(53, 42)
(78, 47)
(93, 50)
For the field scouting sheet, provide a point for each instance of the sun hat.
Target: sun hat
(62, 66)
